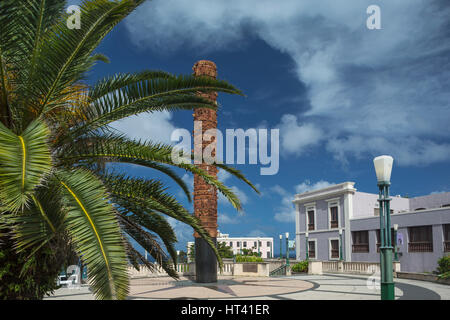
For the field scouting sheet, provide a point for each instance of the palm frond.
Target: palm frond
(148, 242)
(25, 160)
(121, 149)
(151, 221)
(150, 195)
(66, 54)
(38, 224)
(93, 225)
(124, 95)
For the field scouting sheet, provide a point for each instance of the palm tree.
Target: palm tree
(56, 142)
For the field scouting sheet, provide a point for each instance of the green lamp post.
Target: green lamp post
(287, 249)
(281, 245)
(395, 242)
(340, 245)
(383, 169)
(307, 247)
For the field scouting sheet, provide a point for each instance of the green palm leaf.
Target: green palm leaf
(124, 95)
(66, 54)
(93, 225)
(147, 241)
(151, 221)
(39, 223)
(24, 161)
(150, 196)
(121, 149)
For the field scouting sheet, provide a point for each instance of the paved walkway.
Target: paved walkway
(300, 287)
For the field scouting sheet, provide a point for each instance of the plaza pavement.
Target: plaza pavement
(296, 287)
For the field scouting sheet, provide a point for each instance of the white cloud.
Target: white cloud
(407, 151)
(257, 233)
(155, 126)
(183, 231)
(238, 192)
(388, 85)
(223, 176)
(436, 192)
(307, 186)
(285, 212)
(223, 218)
(295, 137)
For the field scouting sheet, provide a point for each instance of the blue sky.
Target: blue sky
(339, 93)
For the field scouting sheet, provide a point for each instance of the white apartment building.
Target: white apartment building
(263, 245)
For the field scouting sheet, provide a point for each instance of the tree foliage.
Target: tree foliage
(56, 142)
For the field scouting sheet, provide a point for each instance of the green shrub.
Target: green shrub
(444, 264)
(240, 258)
(25, 277)
(445, 275)
(300, 267)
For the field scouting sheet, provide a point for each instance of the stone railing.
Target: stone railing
(351, 267)
(158, 271)
(230, 268)
(330, 266)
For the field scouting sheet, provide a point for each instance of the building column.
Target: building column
(348, 213)
(205, 195)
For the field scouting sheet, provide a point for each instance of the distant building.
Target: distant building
(263, 245)
(423, 226)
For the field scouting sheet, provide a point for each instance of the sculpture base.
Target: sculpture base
(205, 262)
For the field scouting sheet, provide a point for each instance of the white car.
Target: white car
(69, 281)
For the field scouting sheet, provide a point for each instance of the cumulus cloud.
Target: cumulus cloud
(155, 126)
(223, 176)
(223, 218)
(296, 137)
(407, 150)
(257, 233)
(307, 186)
(238, 192)
(285, 212)
(389, 85)
(183, 231)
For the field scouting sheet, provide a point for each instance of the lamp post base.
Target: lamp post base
(387, 274)
(387, 291)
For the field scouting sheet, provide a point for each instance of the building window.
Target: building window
(268, 244)
(312, 249)
(334, 223)
(360, 241)
(244, 243)
(420, 239)
(254, 244)
(238, 244)
(311, 222)
(393, 241)
(446, 237)
(334, 249)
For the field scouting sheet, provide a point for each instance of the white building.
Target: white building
(263, 245)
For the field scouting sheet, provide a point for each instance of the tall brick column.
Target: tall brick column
(205, 196)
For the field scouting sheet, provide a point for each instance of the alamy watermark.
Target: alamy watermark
(373, 22)
(208, 147)
(74, 20)
(72, 279)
